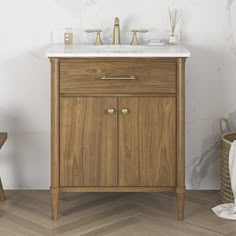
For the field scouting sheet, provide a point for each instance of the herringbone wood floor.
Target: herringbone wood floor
(113, 214)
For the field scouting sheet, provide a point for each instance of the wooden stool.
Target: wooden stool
(3, 138)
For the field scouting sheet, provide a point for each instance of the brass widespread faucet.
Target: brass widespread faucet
(116, 32)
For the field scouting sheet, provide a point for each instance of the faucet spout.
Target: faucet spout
(116, 32)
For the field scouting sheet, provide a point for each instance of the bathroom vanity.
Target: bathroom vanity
(117, 120)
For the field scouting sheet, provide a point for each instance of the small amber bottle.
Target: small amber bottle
(68, 36)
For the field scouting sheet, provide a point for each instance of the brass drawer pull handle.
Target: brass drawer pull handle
(111, 111)
(118, 78)
(125, 111)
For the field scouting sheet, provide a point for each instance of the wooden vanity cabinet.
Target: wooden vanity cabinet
(88, 142)
(147, 142)
(117, 125)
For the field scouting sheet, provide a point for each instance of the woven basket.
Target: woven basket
(226, 140)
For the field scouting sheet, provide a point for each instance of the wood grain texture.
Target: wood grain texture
(180, 137)
(118, 189)
(116, 95)
(147, 142)
(88, 143)
(55, 134)
(3, 138)
(180, 206)
(55, 194)
(2, 194)
(152, 76)
(27, 213)
(141, 151)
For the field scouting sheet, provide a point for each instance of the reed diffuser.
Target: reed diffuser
(174, 15)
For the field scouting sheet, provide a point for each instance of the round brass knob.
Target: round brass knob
(111, 111)
(125, 111)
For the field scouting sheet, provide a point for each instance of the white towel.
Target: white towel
(228, 210)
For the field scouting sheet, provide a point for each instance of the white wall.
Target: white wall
(26, 28)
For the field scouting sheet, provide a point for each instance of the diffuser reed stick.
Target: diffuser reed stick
(174, 19)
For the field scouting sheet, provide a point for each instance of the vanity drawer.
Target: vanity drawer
(122, 75)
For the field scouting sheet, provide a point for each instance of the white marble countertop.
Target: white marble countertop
(79, 50)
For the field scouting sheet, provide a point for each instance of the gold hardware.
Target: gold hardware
(111, 111)
(118, 78)
(98, 38)
(124, 111)
(135, 38)
(116, 32)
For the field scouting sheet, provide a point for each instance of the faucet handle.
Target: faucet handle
(135, 38)
(140, 30)
(98, 38)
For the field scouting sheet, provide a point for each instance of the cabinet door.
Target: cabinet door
(88, 141)
(147, 141)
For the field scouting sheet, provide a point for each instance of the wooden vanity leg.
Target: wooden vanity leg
(55, 202)
(180, 186)
(180, 203)
(55, 143)
(2, 195)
